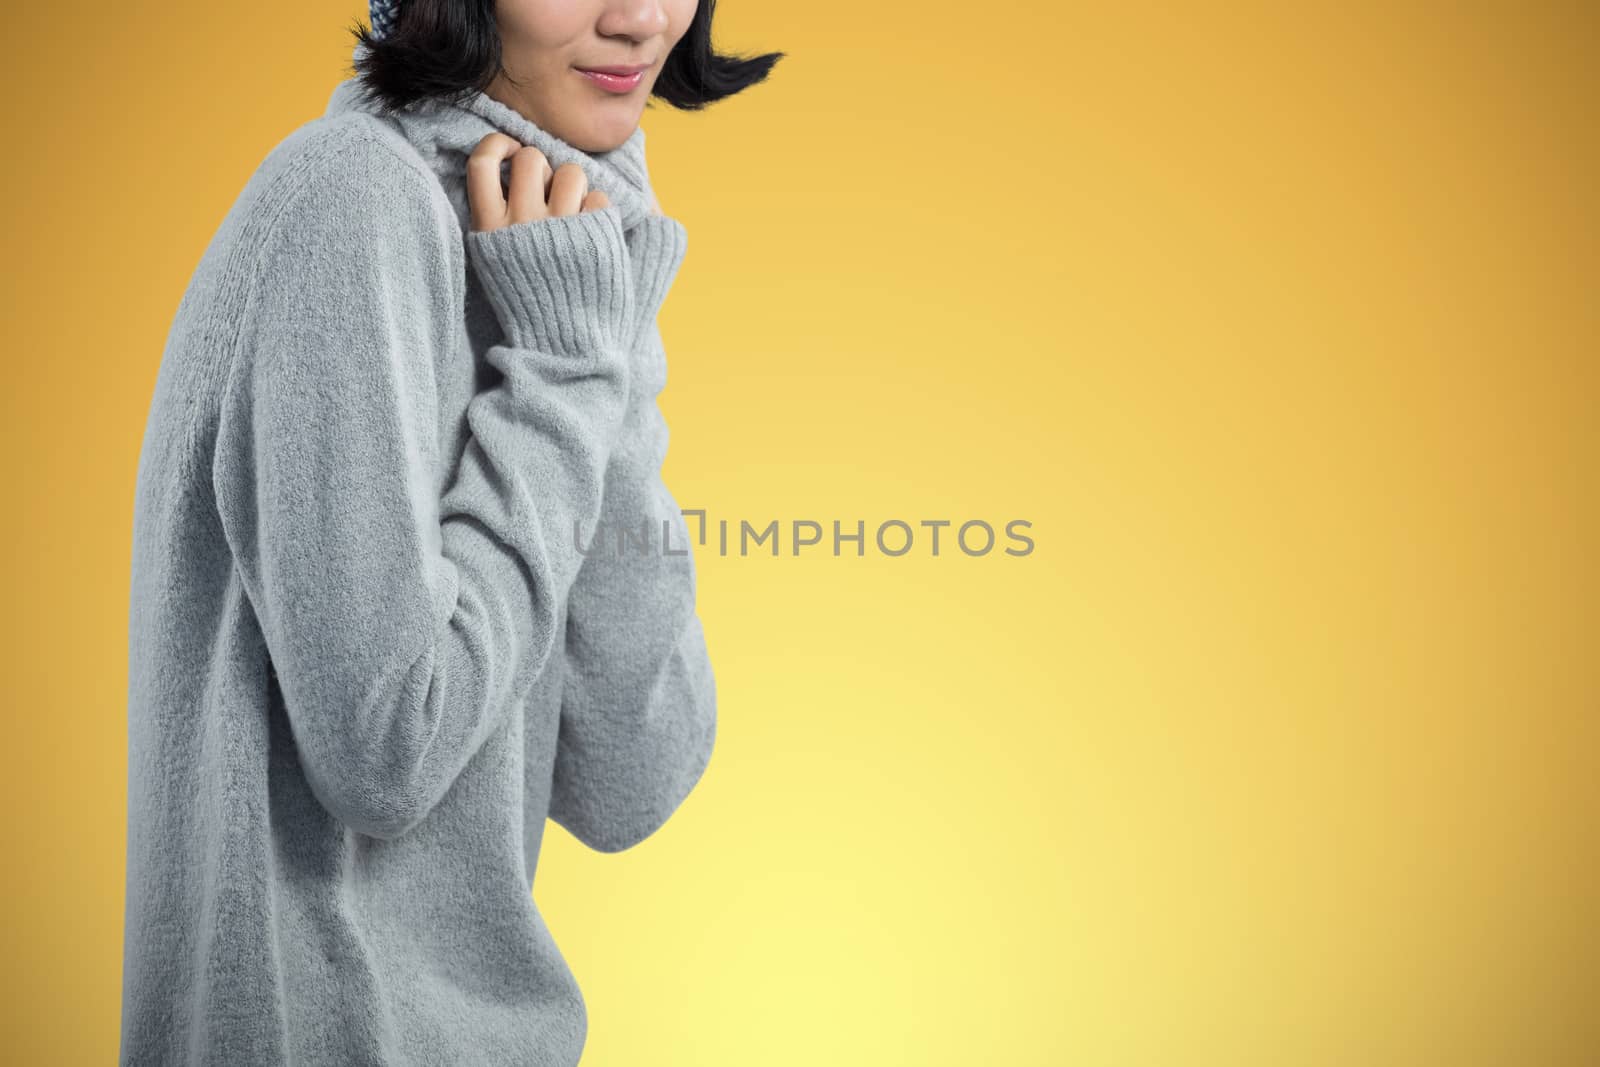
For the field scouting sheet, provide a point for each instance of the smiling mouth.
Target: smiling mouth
(619, 69)
(615, 79)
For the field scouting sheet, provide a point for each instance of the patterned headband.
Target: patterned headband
(384, 15)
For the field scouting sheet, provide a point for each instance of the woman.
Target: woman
(406, 582)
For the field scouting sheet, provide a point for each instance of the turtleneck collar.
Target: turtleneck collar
(446, 133)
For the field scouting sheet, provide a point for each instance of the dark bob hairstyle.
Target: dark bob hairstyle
(451, 48)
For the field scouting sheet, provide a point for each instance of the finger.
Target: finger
(595, 200)
(567, 189)
(530, 177)
(484, 195)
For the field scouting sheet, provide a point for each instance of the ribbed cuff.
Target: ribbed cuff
(656, 246)
(559, 284)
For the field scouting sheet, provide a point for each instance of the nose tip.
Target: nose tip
(635, 19)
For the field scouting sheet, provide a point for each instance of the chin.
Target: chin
(594, 146)
(602, 133)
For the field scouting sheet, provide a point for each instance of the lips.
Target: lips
(615, 79)
(620, 72)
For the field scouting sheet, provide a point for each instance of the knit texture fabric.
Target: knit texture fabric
(381, 628)
(385, 13)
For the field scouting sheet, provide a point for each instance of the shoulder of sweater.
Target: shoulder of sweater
(352, 171)
(342, 201)
(348, 189)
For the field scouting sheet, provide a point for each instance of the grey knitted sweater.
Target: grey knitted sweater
(405, 584)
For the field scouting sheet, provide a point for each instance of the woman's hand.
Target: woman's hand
(536, 191)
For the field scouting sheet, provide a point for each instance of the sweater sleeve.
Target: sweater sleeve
(638, 712)
(407, 613)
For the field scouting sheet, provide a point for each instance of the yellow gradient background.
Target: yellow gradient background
(1277, 322)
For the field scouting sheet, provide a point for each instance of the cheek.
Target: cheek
(546, 24)
(679, 14)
